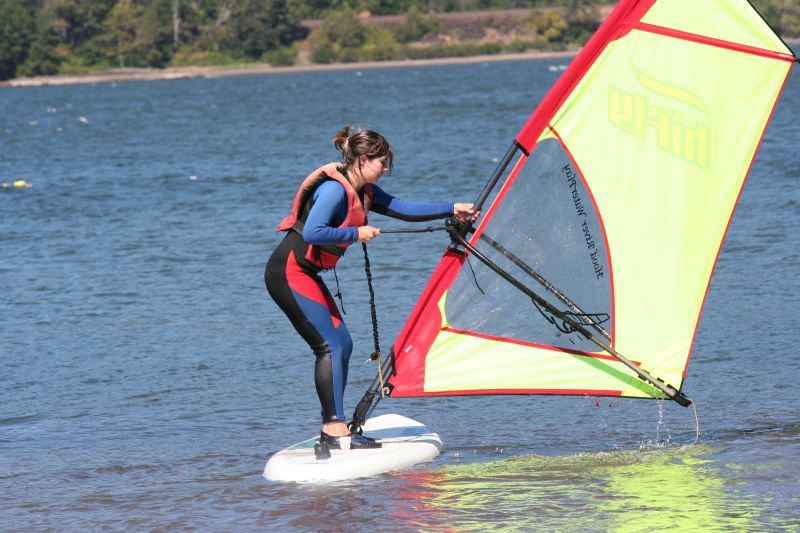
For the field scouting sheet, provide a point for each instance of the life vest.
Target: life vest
(326, 256)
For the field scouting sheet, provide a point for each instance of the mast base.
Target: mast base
(682, 399)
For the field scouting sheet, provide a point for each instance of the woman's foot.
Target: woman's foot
(336, 429)
(329, 438)
(353, 441)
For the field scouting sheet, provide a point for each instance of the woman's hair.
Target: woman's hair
(363, 142)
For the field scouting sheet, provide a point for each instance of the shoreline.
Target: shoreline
(175, 73)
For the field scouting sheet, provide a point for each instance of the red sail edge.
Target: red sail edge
(421, 328)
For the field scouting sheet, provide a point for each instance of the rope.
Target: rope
(376, 355)
(474, 276)
(339, 291)
(696, 424)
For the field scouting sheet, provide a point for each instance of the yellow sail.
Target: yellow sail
(615, 212)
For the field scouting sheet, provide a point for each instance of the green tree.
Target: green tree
(416, 26)
(583, 20)
(17, 32)
(388, 7)
(198, 23)
(42, 57)
(259, 26)
(549, 23)
(343, 37)
(77, 21)
(783, 15)
(155, 35)
(343, 28)
(320, 8)
(120, 31)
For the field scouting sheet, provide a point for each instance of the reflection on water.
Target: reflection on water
(641, 490)
(670, 491)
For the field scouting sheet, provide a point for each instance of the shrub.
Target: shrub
(189, 56)
(453, 50)
(343, 37)
(417, 26)
(323, 53)
(549, 23)
(282, 57)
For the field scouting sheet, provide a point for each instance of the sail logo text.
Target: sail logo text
(634, 114)
(572, 182)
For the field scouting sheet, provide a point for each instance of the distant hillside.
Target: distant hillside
(73, 36)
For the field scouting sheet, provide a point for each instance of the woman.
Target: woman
(328, 214)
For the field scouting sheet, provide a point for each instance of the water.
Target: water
(145, 377)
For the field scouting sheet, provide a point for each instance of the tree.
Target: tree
(259, 26)
(42, 58)
(548, 23)
(389, 7)
(176, 23)
(77, 21)
(197, 22)
(154, 38)
(582, 20)
(120, 30)
(416, 26)
(343, 37)
(17, 32)
(783, 15)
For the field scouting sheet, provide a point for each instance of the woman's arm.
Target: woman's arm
(327, 212)
(388, 205)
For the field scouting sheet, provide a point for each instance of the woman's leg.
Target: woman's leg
(313, 313)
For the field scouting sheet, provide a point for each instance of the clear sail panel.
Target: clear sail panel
(547, 234)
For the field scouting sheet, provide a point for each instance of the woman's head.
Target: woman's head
(367, 154)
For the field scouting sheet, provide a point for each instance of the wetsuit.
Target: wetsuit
(293, 280)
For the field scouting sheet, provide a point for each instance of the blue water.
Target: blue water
(145, 377)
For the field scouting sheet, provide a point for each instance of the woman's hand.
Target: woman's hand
(367, 233)
(466, 210)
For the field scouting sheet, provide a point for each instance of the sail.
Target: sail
(613, 212)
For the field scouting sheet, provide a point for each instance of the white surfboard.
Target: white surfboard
(406, 442)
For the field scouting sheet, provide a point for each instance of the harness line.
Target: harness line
(376, 355)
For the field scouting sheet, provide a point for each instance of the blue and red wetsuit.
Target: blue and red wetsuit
(294, 283)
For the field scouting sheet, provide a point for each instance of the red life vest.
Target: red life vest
(326, 256)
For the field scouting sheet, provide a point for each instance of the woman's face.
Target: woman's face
(372, 169)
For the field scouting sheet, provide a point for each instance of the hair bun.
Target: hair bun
(340, 140)
(362, 143)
